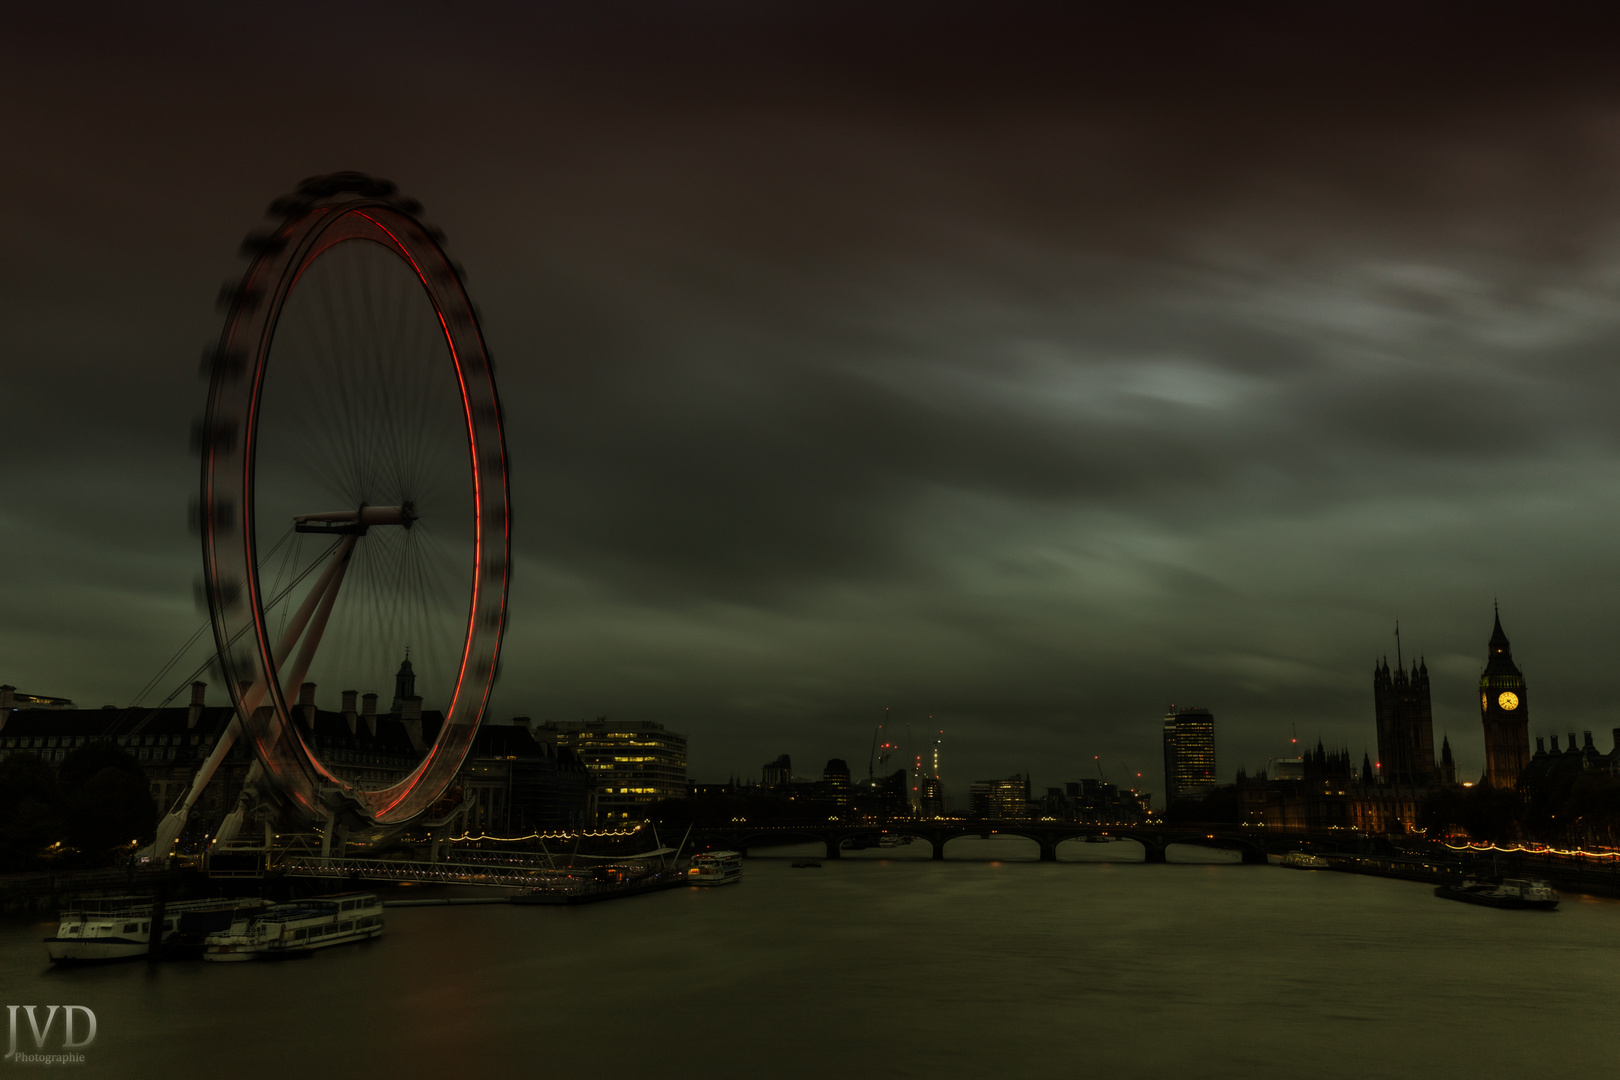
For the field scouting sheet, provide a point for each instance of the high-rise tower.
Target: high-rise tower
(1189, 754)
(1504, 708)
(1405, 724)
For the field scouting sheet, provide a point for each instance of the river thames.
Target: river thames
(887, 964)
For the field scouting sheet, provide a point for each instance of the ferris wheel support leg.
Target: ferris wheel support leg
(324, 586)
(327, 590)
(318, 604)
(170, 828)
(245, 802)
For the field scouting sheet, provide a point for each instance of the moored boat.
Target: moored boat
(298, 928)
(603, 883)
(1305, 860)
(715, 868)
(1504, 893)
(120, 928)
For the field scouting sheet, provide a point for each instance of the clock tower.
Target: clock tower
(1504, 708)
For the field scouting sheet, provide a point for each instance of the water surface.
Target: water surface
(887, 964)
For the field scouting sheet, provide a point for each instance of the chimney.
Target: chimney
(1571, 749)
(1542, 749)
(1587, 744)
(199, 692)
(1617, 738)
(306, 702)
(8, 695)
(410, 712)
(351, 714)
(368, 712)
(1555, 742)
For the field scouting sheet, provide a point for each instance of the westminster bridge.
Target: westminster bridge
(1252, 843)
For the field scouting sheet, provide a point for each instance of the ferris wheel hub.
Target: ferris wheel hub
(356, 522)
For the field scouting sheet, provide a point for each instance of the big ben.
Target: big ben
(1504, 708)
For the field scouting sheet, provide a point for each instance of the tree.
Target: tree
(86, 761)
(111, 808)
(106, 801)
(30, 811)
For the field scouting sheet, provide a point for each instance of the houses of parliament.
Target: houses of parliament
(1326, 790)
(1406, 727)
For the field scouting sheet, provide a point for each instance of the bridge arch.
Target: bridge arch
(1091, 848)
(999, 845)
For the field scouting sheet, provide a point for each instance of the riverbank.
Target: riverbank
(1451, 868)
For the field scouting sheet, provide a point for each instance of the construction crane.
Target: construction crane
(872, 760)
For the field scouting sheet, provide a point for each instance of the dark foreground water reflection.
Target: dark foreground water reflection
(890, 966)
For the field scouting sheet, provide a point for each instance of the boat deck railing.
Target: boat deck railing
(505, 874)
(111, 906)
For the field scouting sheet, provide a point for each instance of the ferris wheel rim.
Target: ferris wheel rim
(313, 251)
(282, 259)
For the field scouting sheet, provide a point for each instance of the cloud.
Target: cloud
(1028, 375)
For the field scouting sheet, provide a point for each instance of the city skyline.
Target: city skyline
(1017, 383)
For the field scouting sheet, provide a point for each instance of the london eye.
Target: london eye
(354, 502)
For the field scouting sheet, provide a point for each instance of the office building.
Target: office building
(633, 764)
(1189, 754)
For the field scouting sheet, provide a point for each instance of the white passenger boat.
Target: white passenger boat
(120, 928)
(715, 868)
(1305, 860)
(1503, 893)
(299, 928)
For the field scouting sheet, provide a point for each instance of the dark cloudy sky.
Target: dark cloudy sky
(1025, 372)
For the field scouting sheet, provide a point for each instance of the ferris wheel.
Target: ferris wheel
(354, 501)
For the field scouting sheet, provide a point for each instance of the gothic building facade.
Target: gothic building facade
(1405, 724)
(1329, 793)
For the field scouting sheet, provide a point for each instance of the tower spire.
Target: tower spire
(1499, 638)
(1398, 663)
(404, 683)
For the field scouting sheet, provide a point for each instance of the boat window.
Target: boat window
(299, 935)
(145, 927)
(130, 928)
(348, 905)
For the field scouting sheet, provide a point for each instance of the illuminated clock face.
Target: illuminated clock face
(1509, 700)
(1484, 702)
